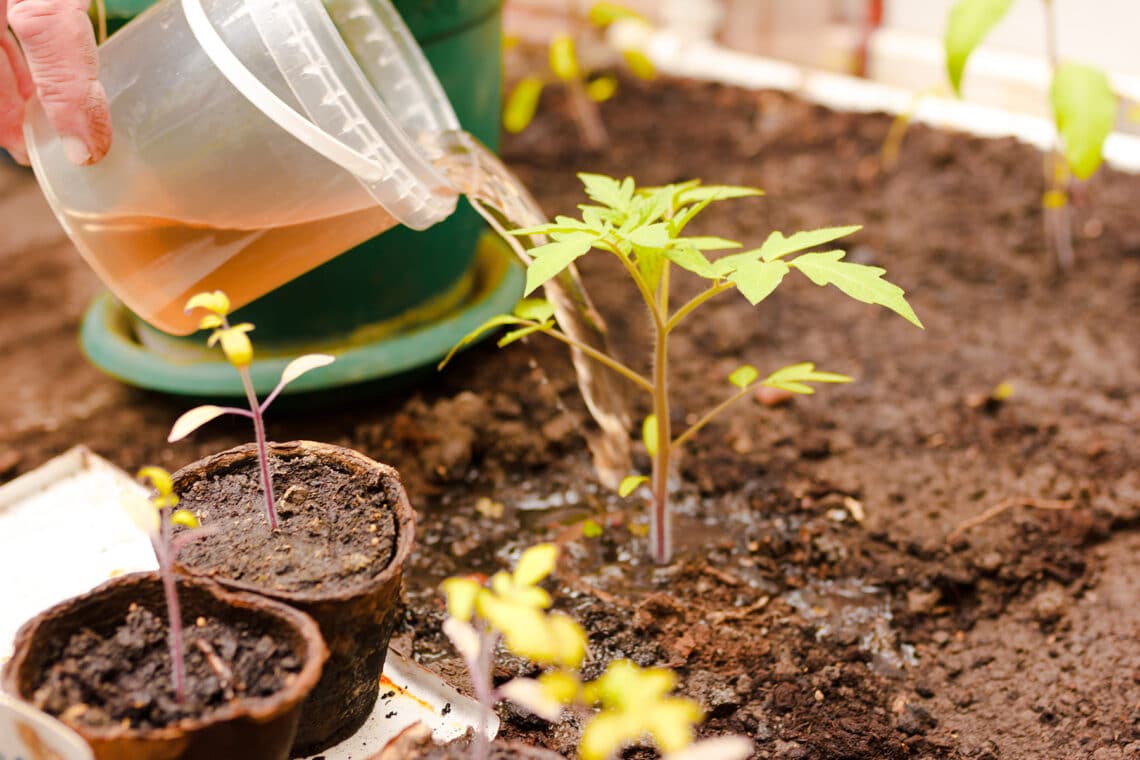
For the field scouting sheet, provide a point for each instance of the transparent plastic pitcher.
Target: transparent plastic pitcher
(253, 141)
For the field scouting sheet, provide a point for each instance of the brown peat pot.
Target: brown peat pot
(346, 529)
(250, 727)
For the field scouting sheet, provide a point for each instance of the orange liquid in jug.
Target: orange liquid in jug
(158, 264)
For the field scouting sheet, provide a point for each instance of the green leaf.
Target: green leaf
(649, 434)
(639, 64)
(686, 214)
(522, 332)
(967, 25)
(490, 324)
(757, 279)
(534, 309)
(651, 264)
(657, 204)
(743, 376)
(651, 236)
(591, 528)
(794, 377)
(630, 483)
(598, 219)
(777, 245)
(303, 364)
(600, 89)
(690, 259)
(563, 58)
(715, 193)
(706, 243)
(607, 190)
(521, 105)
(604, 14)
(190, 421)
(550, 260)
(560, 224)
(1084, 108)
(863, 283)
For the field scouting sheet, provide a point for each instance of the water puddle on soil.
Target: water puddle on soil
(723, 532)
(848, 611)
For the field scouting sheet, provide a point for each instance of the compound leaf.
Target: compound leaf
(861, 282)
(607, 190)
(794, 378)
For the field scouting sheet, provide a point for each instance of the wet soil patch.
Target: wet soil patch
(123, 676)
(335, 530)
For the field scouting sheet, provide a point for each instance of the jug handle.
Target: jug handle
(272, 106)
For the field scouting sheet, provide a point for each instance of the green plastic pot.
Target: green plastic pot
(399, 273)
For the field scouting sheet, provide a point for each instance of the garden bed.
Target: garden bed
(815, 604)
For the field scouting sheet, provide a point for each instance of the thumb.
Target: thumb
(59, 45)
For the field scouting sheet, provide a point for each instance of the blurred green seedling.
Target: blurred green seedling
(1083, 103)
(635, 703)
(585, 88)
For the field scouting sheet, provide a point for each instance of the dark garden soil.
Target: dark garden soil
(816, 604)
(333, 530)
(124, 677)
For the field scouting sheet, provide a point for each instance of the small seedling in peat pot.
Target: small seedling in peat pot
(645, 230)
(157, 517)
(635, 702)
(235, 343)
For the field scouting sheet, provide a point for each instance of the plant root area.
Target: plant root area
(125, 678)
(821, 601)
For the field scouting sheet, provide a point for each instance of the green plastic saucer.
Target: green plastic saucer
(123, 346)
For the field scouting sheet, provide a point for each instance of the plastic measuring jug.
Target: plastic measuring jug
(253, 141)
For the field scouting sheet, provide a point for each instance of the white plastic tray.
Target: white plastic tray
(62, 532)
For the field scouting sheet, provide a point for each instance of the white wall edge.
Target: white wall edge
(676, 55)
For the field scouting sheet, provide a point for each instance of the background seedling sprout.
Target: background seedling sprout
(238, 349)
(157, 517)
(584, 89)
(1083, 104)
(645, 230)
(635, 702)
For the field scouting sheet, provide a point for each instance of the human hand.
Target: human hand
(58, 62)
